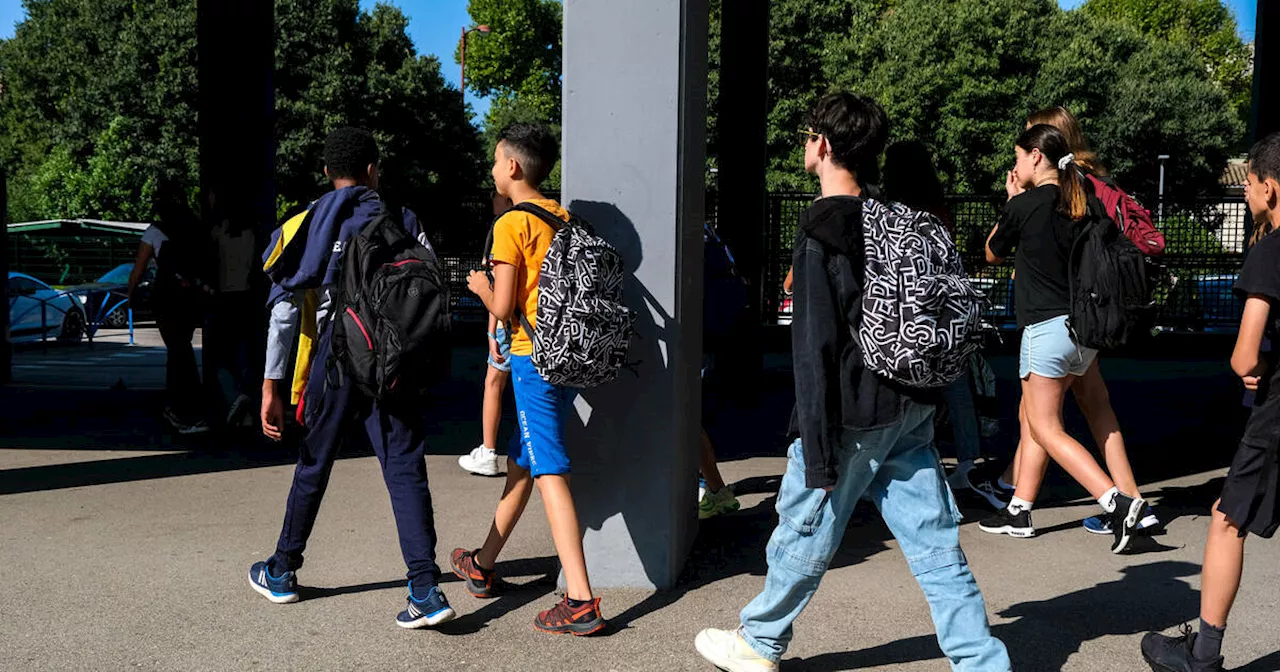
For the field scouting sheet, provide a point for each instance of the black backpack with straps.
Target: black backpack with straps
(1107, 276)
(391, 318)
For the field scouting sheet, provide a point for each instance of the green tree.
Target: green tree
(97, 99)
(1206, 27)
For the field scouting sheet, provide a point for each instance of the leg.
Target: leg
(182, 376)
(398, 437)
(964, 418)
(566, 533)
(316, 455)
(515, 496)
(710, 470)
(1095, 403)
(1223, 566)
(495, 382)
(911, 492)
(1033, 462)
(1044, 398)
(811, 524)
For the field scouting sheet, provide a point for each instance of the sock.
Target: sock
(1209, 644)
(576, 604)
(1108, 500)
(1006, 486)
(1016, 505)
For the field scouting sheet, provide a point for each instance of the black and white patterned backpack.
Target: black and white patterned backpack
(920, 313)
(584, 329)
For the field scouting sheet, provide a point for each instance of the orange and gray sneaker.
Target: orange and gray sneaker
(481, 583)
(566, 619)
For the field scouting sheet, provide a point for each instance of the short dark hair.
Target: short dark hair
(1264, 158)
(855, 126)
(534, 147)
(348, 153)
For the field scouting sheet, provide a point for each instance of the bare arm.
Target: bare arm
(145, 253)
(1246, 359)
(991, 256)
(500, 299)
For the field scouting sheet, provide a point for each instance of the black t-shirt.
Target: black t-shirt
(1261, 276)
(1041, 236)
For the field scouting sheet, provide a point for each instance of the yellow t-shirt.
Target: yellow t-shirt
(522, 239)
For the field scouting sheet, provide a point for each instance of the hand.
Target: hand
(1251, 382)
(478, 283)
(829, 489)
(1012, 186)
(272, 412)
(495, 351)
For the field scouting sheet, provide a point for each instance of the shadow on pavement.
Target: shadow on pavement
(1048, 632)
(1269, 663)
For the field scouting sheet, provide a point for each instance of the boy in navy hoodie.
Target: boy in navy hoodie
(303, 261)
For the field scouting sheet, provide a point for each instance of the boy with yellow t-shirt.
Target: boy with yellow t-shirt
(522, 160)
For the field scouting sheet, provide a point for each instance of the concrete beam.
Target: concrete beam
(1266, 71)
(635, 74)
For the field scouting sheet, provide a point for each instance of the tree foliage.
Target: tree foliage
(97, 99)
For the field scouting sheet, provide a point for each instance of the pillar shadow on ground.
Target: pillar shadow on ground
(1048, 632)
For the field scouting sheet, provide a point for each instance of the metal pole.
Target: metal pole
(1162, 158)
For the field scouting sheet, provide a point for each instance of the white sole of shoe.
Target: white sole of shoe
(275, 599)
(1130, 525)
(478, 469)
(706, 648)
(428, 621)
(1016, 532)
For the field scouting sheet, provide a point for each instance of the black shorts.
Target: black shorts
(1251, 495)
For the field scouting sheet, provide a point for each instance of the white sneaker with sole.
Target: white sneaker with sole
(727, 650)
(482, 461)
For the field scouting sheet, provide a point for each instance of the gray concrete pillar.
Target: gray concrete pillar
(1266, 71)
(635, 75)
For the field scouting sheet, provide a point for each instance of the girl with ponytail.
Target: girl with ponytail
(1047, 203)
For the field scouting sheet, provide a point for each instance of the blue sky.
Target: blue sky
(434, 26)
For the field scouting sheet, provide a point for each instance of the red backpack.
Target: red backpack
(1133, 219)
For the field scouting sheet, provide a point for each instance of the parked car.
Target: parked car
(62, 317)
(118, 277)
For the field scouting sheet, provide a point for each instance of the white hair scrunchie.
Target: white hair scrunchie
(1066, 161)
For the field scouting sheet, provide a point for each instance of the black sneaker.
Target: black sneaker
(1174, 654)
(1013, 524)
(1125, 517)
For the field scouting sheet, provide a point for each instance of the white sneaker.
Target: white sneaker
(482, 461)
(728, 651)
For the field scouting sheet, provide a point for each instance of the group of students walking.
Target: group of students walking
(856, 433)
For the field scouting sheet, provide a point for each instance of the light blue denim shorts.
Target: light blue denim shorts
(1049, 351)
(504, 349)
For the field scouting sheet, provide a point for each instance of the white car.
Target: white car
(62, 317)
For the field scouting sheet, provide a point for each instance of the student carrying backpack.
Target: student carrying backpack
(1108, 281)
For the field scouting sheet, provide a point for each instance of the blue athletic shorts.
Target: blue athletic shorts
(538, 447)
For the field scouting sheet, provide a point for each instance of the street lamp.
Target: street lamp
(462, 83)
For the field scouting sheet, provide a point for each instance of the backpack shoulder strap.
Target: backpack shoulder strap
(541, 213)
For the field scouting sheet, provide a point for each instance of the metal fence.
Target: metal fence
(1204, 241)
(69, 260)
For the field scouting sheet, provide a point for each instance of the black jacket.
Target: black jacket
(834, 391)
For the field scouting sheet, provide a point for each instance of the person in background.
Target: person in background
(178, 298)
(483, 460)
(911, 179)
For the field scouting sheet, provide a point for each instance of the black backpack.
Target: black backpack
(391, 320)
(1107, 275)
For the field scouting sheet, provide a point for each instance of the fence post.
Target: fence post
(6, 348)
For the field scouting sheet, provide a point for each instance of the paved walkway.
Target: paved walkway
(123, 547)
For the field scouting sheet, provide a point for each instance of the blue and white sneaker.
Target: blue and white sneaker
(431, 610)
(1102, 524)
(279, 589)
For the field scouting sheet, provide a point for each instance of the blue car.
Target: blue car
(62, 317)
(117, 283)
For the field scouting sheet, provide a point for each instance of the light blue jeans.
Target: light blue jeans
(898, 469)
